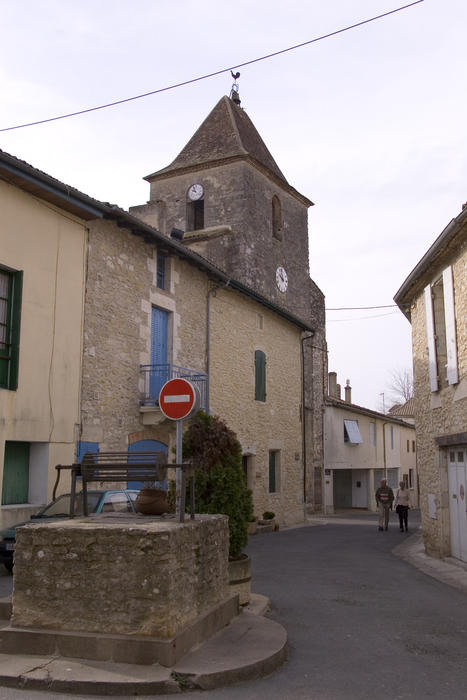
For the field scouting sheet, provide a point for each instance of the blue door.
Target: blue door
(147, 446)
(159, 330)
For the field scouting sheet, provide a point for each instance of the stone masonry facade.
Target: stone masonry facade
(440, 413)
(121, 292)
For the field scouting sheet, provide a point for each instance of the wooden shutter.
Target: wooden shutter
(15, 487)
(430, 335)
(260, 376)
(450, 322)
(272, 472)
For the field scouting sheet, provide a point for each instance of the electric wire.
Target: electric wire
(360, 308)
(214, 73)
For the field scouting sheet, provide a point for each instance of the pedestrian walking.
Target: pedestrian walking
(384, 499)
(402, 504)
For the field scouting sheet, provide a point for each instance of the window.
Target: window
(195, 215)
(408, 445)
(352, 432)
(15, 487)
(274, 471)
(276, 218)
(392, 437)
(441, 332)
(260, 376)
(411, 479)
(160, 272)
(372, 433)
(10, 313)
(413, 445)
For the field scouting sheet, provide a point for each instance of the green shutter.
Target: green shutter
(272, 472)
(260, 376)
(15, 329)
(15, 487)
(11, 322)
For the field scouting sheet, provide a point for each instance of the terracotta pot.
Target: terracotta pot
(240, 577)
(252, 527)
(151, 501)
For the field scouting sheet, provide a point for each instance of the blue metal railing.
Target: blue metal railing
(155, 376)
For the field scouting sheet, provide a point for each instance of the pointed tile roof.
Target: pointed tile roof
(226, 134)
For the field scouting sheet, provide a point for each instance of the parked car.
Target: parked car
(111, 501)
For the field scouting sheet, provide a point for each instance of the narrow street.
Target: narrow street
(362, 623)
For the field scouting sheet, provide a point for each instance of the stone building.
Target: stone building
(361, 447)
(42, 276)
(225, 197)
(208, 281)
(434, 299)
(155, 310)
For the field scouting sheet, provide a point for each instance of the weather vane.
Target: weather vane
(234, 96)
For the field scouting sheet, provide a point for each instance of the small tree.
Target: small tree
(401, 387)
(220, 485)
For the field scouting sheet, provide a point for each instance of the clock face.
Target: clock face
(281, 279)
(195, 192)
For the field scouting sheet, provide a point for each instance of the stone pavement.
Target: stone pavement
(251, 647)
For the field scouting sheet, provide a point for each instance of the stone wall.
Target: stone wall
(239, 327)
(120, 295)
(439, 413)
(131, 575)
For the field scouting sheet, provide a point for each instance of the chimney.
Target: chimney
(348, 392)
(338, 391)
(332, 384)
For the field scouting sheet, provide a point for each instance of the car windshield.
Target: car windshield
(62, 505)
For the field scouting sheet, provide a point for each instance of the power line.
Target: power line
(361, 308)
(212, 75)
(360, 318)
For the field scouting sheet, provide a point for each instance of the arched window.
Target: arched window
(276, 218)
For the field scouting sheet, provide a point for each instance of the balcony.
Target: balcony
(153, 379)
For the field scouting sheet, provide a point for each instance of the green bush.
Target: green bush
(220, 484)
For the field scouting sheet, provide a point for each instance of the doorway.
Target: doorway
(342, 488)
(457, 464)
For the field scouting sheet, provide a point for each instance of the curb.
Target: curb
(250, 647)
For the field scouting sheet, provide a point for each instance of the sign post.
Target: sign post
(179, 399)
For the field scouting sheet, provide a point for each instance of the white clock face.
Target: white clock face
(281, 279)
(195, 192)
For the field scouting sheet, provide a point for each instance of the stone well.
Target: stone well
(123, 576)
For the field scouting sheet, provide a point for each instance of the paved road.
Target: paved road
(362, 623)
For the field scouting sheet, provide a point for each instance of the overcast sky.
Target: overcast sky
(369, 124)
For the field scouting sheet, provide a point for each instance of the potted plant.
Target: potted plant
(267, 522)
(220, 487)
(152, 497)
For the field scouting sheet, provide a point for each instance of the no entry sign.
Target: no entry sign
(177, 399)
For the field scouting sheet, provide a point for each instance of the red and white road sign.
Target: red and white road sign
(178, 398)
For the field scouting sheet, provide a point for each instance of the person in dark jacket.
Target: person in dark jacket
(384, 499)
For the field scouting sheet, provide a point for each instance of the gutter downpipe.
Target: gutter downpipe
(208, 339)
(307, 337)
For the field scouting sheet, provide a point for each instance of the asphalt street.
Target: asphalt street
(362, 623)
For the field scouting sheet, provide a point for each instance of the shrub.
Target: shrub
(220, 485)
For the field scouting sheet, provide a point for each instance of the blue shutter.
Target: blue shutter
(83, 447)
(147, 446)
(159, 332)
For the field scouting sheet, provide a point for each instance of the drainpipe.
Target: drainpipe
(208, 339)
(307, 337)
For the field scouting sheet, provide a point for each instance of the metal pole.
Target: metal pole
(180, 515)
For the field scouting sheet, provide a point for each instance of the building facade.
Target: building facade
(226, 198)
(434, 299)
(42, 277)
(361, 447)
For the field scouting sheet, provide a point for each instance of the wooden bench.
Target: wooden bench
(124, 467)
